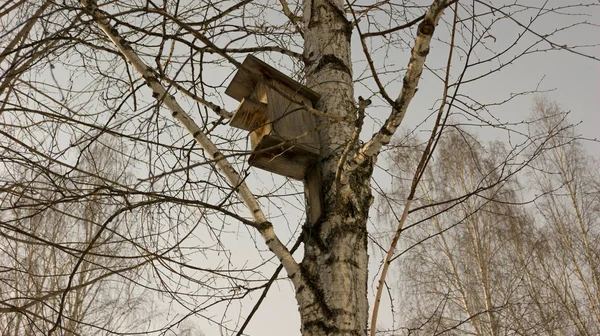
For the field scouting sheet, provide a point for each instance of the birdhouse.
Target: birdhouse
(283, 133)
(283, 136)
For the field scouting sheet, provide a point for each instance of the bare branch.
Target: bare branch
(411, 80)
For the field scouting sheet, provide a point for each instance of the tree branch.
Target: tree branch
(21, 35)
(151, 79)
(416, 178)
(221, 112)
(340, 177)
(391, 30)
(409, 87)
(294, 19)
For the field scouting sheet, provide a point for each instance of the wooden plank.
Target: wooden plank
(272, 155)
(242, 84)
(250, 115)
(290, 120)
(244, 81)
(259, 93)
(258, 135)
(314, 195)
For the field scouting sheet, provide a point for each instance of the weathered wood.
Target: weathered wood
(250, 115)
(273, 119)
(259, 93)
(276, 156)
(314, 195)
(290, 120)
(244, 81)
(283, 134)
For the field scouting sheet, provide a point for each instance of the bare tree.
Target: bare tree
(44, 234)
(504, 260)
(152, 77)
(458, 263)
(567, 177)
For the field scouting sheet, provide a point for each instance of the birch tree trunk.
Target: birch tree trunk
(335, 256)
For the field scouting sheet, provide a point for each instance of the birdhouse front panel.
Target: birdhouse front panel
(250, 115)
(281, 158)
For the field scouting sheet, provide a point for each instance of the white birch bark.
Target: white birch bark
(335, 262)
(335, 259)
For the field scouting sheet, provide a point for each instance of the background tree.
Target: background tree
(567, 177)
(77, 73)
(492, 262)
(45, 233)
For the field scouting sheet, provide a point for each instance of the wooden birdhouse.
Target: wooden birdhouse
(283, 133)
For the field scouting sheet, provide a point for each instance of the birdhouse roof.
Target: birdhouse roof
(244, 81)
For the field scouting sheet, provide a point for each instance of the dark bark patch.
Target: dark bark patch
(322, 326)
(385, 131)
(339, 233)
(426, 27)
(314, 16)
(264, 226)
(351, 210)
(311, 236)
(333, 62)
(311, 282)
(348, 31)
